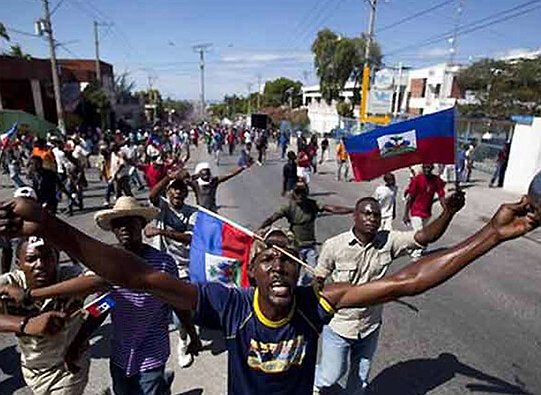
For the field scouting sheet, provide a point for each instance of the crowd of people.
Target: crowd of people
(271, 330)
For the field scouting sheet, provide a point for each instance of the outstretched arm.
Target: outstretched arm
(434, 230)
(234, 173)
(24, 217)
(158, 190)
(337, 209)
(270, 220)
(511, 221)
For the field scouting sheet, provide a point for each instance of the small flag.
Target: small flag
(425, 139)
(6, 136)
(100, 305)
(220, 250)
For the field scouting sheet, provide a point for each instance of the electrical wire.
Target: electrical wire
(414, 16)
(490, 20)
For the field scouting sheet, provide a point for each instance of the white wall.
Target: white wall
(524, 158)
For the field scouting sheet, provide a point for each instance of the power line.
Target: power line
(56, 7)
(473, 26)
(305, 21)
(319, 21)
(415, 15)
(16, 31)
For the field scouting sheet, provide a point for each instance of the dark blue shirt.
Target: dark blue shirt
(264, 356)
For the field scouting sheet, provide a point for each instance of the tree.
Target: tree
(183, 108)
(279, 92)
(16, 51)
(338, 58)
(124, 87)
(96, 105)
(344, 109)
(3, 32)
(502, 88)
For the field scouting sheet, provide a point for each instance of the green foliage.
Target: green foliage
(344, 109)
(96, 97)
(15, 50)
(338, 58)
(124, 87)
(502, 88)
(279, 91)
(3, 32)
(183, 108)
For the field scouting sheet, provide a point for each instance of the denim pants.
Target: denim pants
(151, 382)
(335, 350)
(309, 255)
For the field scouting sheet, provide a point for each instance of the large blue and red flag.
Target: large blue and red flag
(220, 250)
(6, 136)
(425, 139)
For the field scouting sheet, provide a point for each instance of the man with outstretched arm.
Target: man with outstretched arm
(272, 330)
(359, 255)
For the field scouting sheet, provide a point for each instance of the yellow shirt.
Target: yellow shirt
(341, 153)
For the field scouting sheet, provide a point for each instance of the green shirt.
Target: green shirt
(302, 219)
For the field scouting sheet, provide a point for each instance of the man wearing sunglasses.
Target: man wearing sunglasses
(271, 330)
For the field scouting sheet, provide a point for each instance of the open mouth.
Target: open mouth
(280, 289)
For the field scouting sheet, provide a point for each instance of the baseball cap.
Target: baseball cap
(26, 192)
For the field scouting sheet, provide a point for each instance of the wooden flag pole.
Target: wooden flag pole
(258, 237)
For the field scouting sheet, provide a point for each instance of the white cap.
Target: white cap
(201, 166)
(26, 192)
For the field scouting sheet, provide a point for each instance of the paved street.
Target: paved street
(481, 332)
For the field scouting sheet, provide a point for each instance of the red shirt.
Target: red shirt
(153, 174)
(421, 191)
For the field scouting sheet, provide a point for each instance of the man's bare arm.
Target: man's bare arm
(435, 229)
(511, 221)
(79, 286)
(270, 220)
(115, 265)
(341, 210)
(234, 173)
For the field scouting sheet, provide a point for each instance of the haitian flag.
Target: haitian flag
(6, 136)
(425, 139)
(220, 250)
(100, 305)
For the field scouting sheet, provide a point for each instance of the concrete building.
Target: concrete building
(431, 89)
(323, 116)
(26, 84)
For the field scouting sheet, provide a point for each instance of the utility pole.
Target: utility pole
(366, 69)
(201, 49)
(371, 25)
(97, 44)
(396, 104)
(258, 92)
(48, 29)
(249, 86)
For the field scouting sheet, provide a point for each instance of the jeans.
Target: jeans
(309, 255)
(334, 358)
(151, 382)
(134, 177)
(418, 223)
(284, 149)
(123, 187)
(342, 164)
(110, 189)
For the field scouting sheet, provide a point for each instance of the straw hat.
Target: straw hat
(125, 206)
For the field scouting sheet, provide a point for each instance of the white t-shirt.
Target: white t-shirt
(386, 196)
(182, 220)
(247, 137)
(61, 160)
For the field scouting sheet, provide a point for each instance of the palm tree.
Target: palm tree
(3, 32)
(17, 52)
